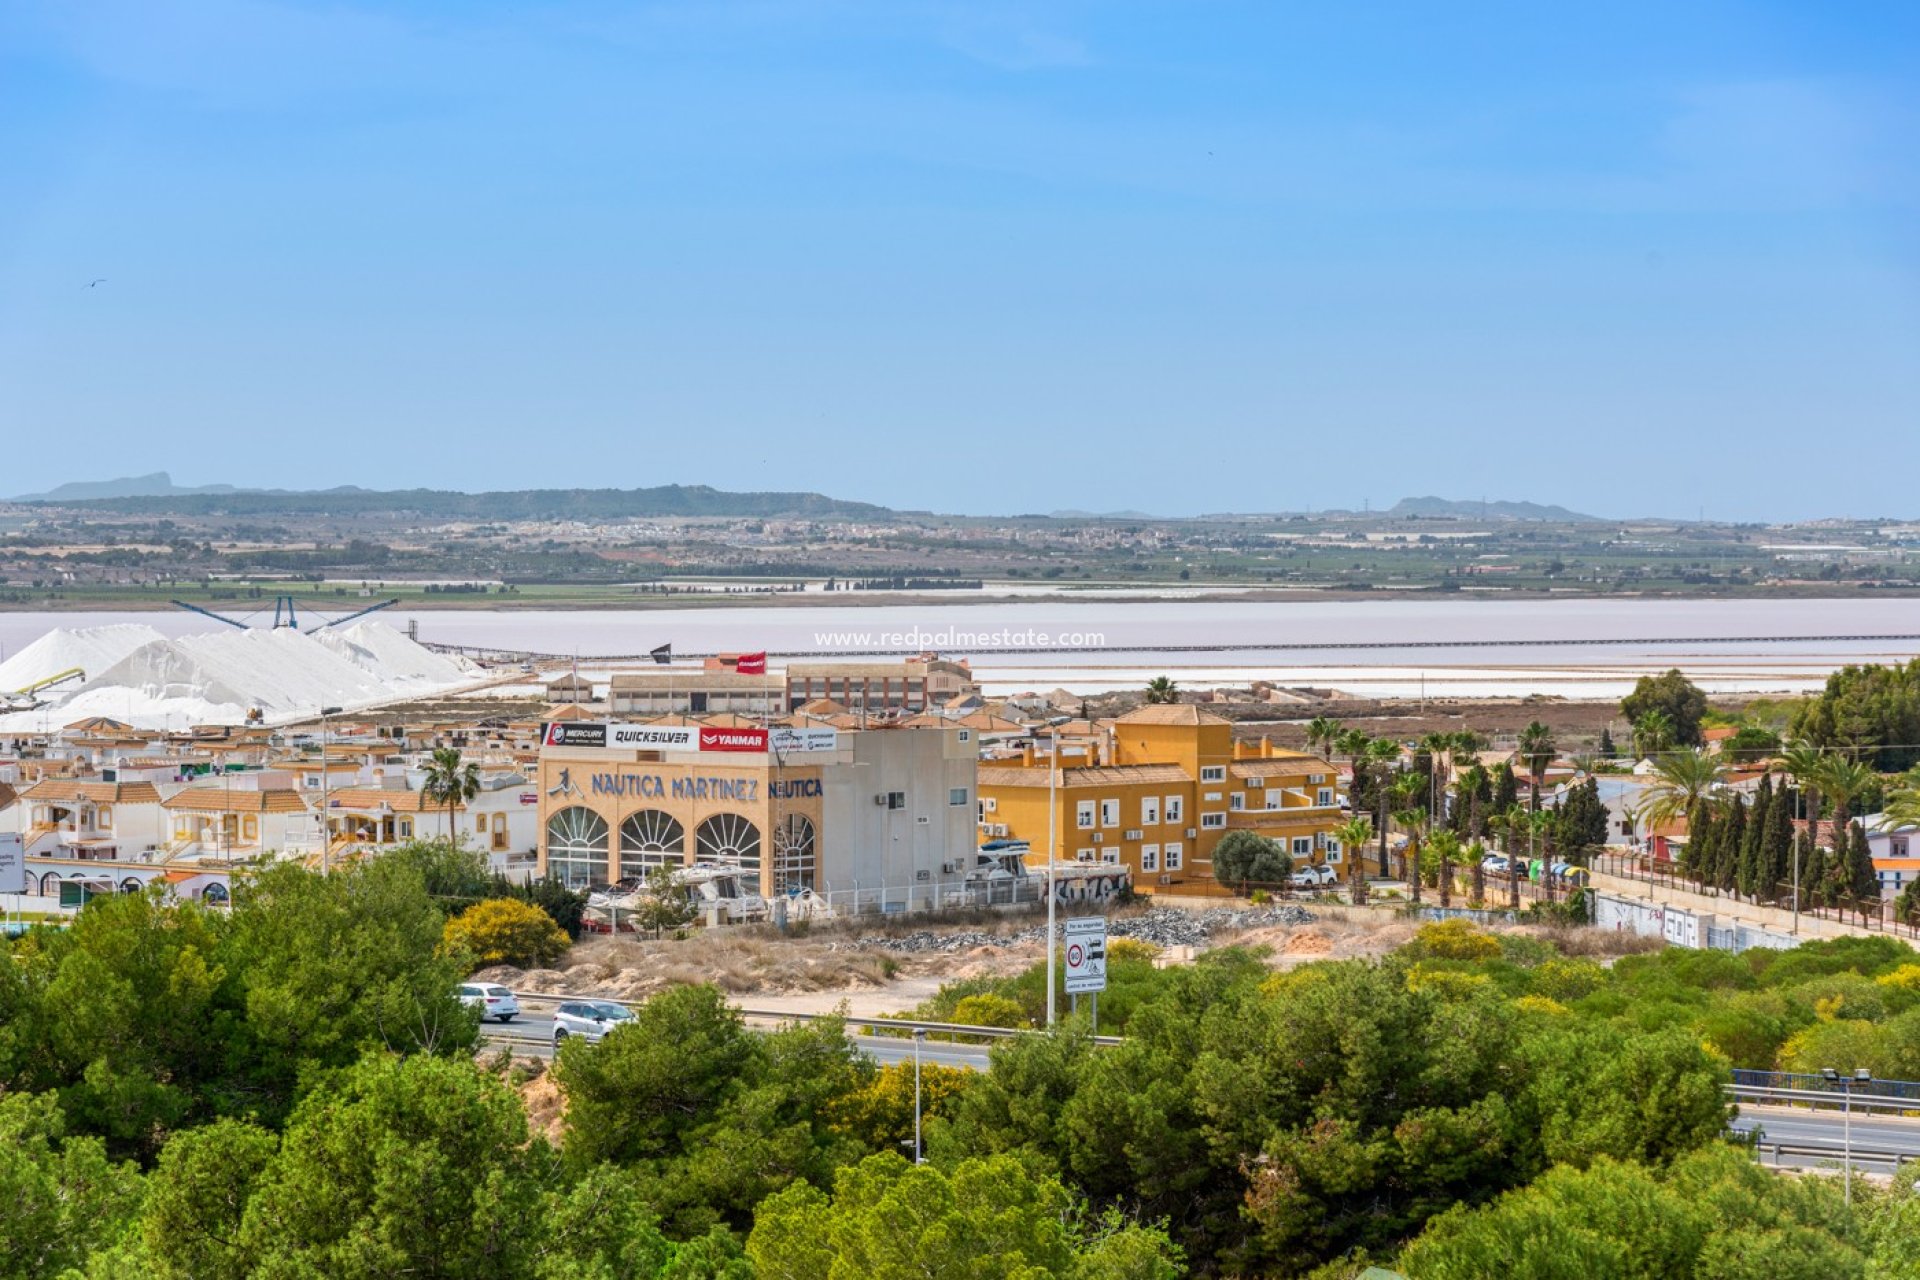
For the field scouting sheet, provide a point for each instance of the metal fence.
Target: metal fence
(1807, 1082)
(1875, 915)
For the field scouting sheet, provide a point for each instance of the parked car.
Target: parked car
(1313, 876)
(1496, 864)
(588, 1019)
(491, 999)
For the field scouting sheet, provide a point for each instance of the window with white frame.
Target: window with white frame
(957, 796)
(1333, 855)
(1213, 773)
(1110, 856)
(1317, 779)
(1083, 814)
(1213, 821)
(1236, 800)
(1149, 811)
(1175, 855)
(966, 735)
(1176, 808)
(1109, 813)
(1149, 857)
(1084, 855)
(1275, 797)
(1323, 797)
(1303, 846)
(1253, 784)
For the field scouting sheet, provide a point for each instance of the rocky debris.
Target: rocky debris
(1163, 927)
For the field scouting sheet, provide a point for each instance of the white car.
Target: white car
(491, 999)
(588, 1019)
(1310, 877)
(1495, 864)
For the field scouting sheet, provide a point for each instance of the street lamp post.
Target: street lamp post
(1860, 1076)
(919, 1038)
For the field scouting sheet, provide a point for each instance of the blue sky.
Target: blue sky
(985, 257)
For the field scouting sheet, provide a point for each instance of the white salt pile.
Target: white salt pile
(91, 649)
(219, 678)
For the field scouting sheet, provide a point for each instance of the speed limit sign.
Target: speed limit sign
(1086, 938)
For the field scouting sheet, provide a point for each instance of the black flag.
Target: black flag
(663, 655)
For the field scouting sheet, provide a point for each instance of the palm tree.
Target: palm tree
(1438, 746)
(1353, 835)
(1537, 749)
(1514, 825)
(1380, 752)
(1802, 761)
(1160, 689)
(1652, 733)
(1903, 805)
(1447, 846)
(1681, 779)
(1409, 820)
(1842, 780)
(1322, 733)
(450, 782)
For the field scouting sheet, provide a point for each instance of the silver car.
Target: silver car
(491, 999)
(588, 1019)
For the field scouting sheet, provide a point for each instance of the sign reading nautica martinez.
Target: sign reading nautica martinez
(687, 737)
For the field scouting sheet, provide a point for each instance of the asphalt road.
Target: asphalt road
(1828, 1128)
(532, 1034)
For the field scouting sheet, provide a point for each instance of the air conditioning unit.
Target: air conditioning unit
(881, 799)
(948, 868)
(1131, 835)
(1191, 833)
(1165, 880)
(1098, 837)
(1000, 829)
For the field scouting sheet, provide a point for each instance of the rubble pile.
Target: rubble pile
(1161, 926)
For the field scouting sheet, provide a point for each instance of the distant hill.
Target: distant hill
(146, 496)
(1474, 510)
(157, 485)
(1098, 515)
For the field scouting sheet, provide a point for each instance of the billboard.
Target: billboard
(13, 864)
(652, 737)
(802, 741)
(573, 733)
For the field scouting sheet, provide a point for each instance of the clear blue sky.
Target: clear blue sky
(989, 257)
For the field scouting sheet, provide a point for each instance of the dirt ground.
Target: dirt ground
(828, 969)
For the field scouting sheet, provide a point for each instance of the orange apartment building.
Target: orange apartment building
(1157, 790)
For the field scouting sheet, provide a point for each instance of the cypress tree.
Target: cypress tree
(1776, 845)
(1812, 865)
(1726, 849)
(1753, 872)
(1506, 788)
(1696, 855)
(1864, 881)
(1606, 749)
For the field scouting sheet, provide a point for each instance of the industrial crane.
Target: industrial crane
(284, 614)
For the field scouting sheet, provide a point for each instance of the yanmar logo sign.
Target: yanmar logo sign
(712, 739)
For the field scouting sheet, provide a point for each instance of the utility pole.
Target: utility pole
(1053, 821)
(919, 1038)
(326, 794)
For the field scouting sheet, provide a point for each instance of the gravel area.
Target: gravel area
(1160, 926)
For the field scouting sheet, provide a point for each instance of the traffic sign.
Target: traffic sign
(1086, 938)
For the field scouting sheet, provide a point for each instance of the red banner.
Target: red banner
(712, 739)
(751, 664)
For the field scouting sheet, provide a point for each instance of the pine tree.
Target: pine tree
(1776, 844)
(1726, 850)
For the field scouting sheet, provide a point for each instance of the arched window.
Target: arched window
(50, 885)
(215, 892)
(729, 837)
(577, 847)
(650, 839)
(793, 856)
(130, 885)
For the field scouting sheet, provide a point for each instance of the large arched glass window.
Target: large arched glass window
(793, 855)
(729, 837)
(577, 847)
(650, 839)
